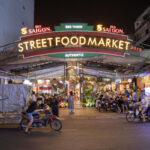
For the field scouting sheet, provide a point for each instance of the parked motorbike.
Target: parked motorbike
(136, 113)
(106, 106)
(114, 107)
(99, 106)
(48, 118)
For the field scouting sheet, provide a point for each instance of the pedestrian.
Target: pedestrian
(125, 103)
(71, 102)
(34, 98)
(54, 105)
(134, 97)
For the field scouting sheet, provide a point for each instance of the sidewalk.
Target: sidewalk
(88, 113)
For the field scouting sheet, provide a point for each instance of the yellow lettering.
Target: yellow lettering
(127, 45)
(121, 44)
(26, 45)
(92, 41)
(74, 40)
(57, 40)
(44, 43)
(38, 43)
(82, 40)
(50, 41)
(24, 30)
(114, 43)
(32, 45)
(99, 27)
(101, 42)
(65, 41)
(21, 49)
(108, 42)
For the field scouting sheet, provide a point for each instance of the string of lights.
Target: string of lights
(101, 73)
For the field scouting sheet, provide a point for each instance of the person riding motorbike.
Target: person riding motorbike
(32, 108)
(144, 106)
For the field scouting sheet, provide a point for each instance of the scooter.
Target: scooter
(137, 113)
(48, 118)
(99, 105)
(106, 106)
(114, 107)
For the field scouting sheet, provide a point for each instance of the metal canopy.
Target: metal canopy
(12, 64)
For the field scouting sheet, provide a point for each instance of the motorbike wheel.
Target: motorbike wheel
(130, 117)
(56, 124)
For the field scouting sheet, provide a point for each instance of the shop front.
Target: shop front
(75, 44)
(144, 84)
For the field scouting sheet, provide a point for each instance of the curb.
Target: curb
(5, 126)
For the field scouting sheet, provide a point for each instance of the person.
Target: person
(31, 109)
(144, 106)
(71, 102)
(54, 105)
(125, 103)
(33, 96)
(119, 103)
(134, 97)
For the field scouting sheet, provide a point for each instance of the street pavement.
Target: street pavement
(87, 129)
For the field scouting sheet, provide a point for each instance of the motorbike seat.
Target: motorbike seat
(37, 116)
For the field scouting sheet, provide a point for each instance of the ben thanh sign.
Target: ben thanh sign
(74, 27)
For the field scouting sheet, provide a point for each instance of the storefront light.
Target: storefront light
(118, 80)
(40, 81)
(27, 82)
(47, 81)
(129, 80)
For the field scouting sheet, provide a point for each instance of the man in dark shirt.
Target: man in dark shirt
(32, 108)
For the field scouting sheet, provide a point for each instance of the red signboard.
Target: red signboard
(37, 29)
(45, 88)
(111, 29)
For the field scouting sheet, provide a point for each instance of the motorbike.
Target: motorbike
(99, 106)
(114, 107)
(38, 122)
(136, 113)
(106, 106)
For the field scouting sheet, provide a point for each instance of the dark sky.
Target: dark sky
(121, 13)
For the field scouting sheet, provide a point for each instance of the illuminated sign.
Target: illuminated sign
(37, 29)
(136, 48)
(87, 41)
(76, 55)
(111, 29)
(73, 55)
(74, 27)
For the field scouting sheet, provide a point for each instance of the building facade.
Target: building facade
(142, 29)
(14, 15)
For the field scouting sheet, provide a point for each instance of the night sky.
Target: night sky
(121, 13)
